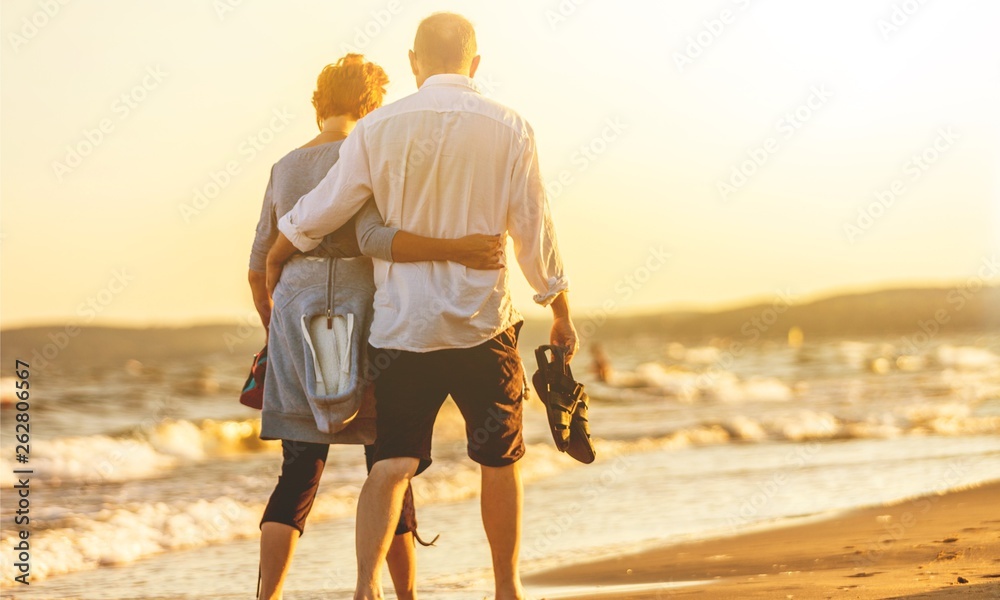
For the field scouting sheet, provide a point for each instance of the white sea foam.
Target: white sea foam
(856, 354)
(130, 532)
(690, 386)
(139, 529)
(140, 454)
(8, 391)
(125, 534)
(93, 459)
(704, 355)
(755, 389)
(967, 357)
(745, 429)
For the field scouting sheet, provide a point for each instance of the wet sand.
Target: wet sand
(918, 548)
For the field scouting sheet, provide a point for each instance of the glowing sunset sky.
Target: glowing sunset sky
(763, 146)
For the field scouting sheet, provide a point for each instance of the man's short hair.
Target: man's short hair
(445, 41)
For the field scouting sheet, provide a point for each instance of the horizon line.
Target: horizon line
(718, 307)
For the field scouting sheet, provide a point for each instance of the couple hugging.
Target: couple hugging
(401, 214)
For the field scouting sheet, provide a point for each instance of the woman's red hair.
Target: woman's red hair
(351, 86)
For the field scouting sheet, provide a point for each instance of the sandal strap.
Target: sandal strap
(564, 401)
(564, 392)
(422, 542)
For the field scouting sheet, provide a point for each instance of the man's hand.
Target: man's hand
(563, 331)
(280, 252)
(564, 334)
(274, 270)
(478, 251)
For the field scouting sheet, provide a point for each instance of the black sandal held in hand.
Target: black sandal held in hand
(565, 404)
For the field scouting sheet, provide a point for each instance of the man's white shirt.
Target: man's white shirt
(443, 162)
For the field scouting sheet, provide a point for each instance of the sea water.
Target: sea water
(149, 480)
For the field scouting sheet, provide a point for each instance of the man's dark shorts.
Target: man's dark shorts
(485, 381)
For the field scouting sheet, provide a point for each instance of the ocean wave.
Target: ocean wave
(125, 534)
(158, 449)
(684, 385)
(805, 425)
(136, 530)
(969, 373)
(951, 419)
(8, 391)
(140, 454)
(967, 357)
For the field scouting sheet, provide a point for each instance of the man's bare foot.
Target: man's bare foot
(368, 594)
(517, 593)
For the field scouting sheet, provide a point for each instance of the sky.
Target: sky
(698, 154)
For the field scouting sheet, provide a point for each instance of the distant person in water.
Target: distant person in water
(345, 92)
(443, 161)
(600, 366)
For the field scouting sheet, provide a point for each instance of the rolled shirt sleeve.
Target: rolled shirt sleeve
(335, 200)
(529, 223)
(374, 237)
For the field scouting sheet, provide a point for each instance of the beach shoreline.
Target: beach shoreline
(917, 548)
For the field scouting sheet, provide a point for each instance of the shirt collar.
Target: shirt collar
(453, 79)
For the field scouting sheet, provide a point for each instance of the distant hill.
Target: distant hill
(886, 312)
(889, 312)
(106, 346)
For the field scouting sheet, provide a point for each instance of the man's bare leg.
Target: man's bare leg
(402, 562)
(277, 545)
(501, 502)
(379, 506)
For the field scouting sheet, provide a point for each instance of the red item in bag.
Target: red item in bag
(253, 390)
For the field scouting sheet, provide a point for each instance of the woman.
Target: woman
(345, 92)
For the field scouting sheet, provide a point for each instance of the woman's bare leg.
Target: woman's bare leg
(402, 562)
(277, 545)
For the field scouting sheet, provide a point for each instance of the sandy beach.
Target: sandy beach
(937, 546)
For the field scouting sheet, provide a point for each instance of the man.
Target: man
(443, 162)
